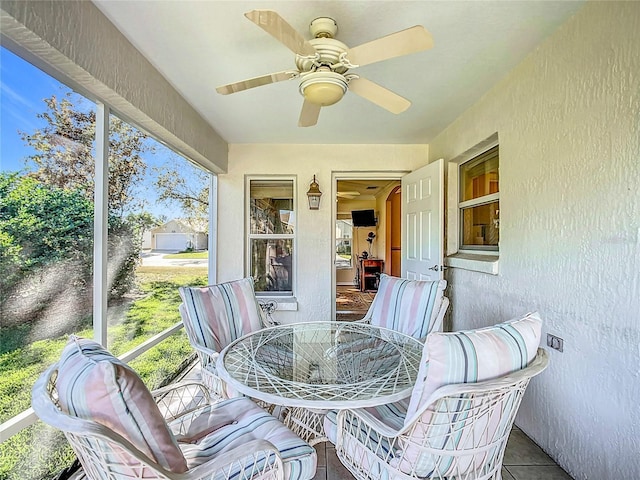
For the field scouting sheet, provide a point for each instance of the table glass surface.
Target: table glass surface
(323, 364)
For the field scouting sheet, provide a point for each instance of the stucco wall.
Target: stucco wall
(314, 239)
(568, 120)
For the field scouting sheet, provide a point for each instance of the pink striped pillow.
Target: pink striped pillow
(221, 313)
(407, 306)
(94, 385)
(475, 355)
(466, 357)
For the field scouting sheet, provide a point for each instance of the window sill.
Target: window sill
(284, 303)
(474, 262)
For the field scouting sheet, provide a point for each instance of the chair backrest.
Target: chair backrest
(219, 314)
(468, 391)
(413, 307)
(107, 413)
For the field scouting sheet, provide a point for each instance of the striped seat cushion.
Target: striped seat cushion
(94, 385)
(469, 357)
(233, 423)
(391, 414)
(407, 306)
(219, 314)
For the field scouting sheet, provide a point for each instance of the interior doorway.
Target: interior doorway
(393, 232)
(364, 249)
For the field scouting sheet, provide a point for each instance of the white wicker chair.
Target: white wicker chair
(464, 438)
(230, 439)
(413, 307)
(215, 316)
(449, 429)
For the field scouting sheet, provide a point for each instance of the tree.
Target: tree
(65, 152)
(140, 222)
(189, 188)
(46, 236)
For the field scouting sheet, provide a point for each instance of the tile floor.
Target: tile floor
(523, 460)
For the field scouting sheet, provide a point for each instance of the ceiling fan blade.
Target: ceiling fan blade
(404, 42)
(348, 195)
(256, 82)
(379, 95)
(309, 114)
(272, 23)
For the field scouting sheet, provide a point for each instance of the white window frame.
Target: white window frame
(249, 236)
(342, 239)
(476, 202)
(484, 261)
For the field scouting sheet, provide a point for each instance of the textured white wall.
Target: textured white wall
(314, 241)
(568, 120)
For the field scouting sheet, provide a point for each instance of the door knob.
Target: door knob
(435, 268)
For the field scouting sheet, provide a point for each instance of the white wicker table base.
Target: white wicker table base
(307, 423)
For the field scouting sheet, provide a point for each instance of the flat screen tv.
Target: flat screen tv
(363, 218)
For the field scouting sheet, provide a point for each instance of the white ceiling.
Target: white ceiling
(199, 45)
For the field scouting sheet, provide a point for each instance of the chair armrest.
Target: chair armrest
(267, 307)
(373, 422)
(537, 365)
(236, 459)
(206, 351)
(181, 398)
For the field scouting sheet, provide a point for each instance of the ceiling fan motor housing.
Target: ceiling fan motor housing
(329, 50)
(323, 27)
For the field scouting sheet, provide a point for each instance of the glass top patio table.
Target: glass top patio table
(323, 365)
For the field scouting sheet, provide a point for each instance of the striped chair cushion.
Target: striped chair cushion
(407, 306)
(94, 385)
(391, 414)
(469, 357)
(219, 314)
(232, 423)
(475, 355)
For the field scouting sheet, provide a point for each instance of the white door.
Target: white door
(423, 222)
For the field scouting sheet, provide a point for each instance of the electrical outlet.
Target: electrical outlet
(555, 342)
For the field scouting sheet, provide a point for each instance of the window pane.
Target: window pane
(343, 243)
(46, 249)
(158, 212)
(479, 177)
(481, 226)
(271, 207)
(271, 264)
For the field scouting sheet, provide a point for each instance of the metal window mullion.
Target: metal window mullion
(271, 235)
(213, 230)
(100, 225)
(474, 202)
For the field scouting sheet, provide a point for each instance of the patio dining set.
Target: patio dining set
(399, 398)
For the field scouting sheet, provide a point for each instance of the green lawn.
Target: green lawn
(35, 453)
(191, 255)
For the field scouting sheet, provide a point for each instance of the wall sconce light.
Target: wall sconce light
(314, 195)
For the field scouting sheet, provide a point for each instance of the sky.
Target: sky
(23, 89)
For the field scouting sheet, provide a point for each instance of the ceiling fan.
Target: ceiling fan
(323, 64)
(348, 195)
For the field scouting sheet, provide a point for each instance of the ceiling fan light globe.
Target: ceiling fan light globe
(323, 94)
(323, 88)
